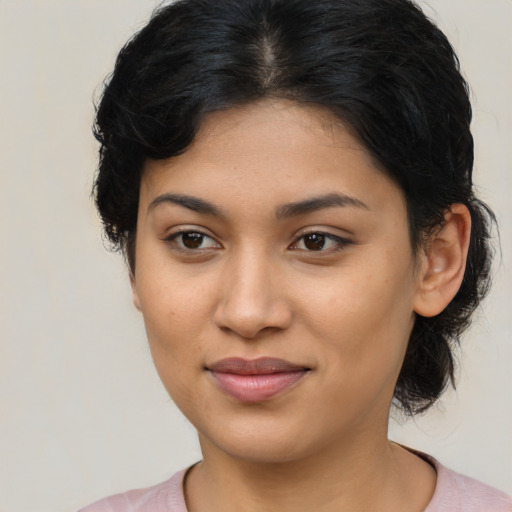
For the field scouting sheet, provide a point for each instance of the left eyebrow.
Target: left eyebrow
(318, 203)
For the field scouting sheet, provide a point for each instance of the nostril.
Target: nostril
(250, 304)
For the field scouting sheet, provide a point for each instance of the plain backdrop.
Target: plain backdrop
(82, 412)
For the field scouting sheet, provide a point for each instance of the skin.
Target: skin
(253, 287)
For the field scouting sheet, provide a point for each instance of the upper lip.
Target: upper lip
(260, 366)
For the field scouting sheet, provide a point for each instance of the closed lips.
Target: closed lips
(255, 380)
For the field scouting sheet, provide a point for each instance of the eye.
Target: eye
(319, 242)
(192, 240)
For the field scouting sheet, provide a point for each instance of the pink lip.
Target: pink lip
(255, 380)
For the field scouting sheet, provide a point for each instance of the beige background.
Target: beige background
(82, 413)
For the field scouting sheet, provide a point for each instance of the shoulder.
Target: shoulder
(164, 497)
(455, 492)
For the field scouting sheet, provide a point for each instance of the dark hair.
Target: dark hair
(381, 66)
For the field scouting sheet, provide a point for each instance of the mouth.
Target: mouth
(256, 380)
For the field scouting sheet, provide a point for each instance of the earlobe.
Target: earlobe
(135, 293)
(443, 262)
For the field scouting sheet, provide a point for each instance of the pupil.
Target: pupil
(314, 242)
(192, 240)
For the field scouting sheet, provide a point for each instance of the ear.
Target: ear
(443, 262)
(135, 293)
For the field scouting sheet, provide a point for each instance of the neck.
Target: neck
(350, 476)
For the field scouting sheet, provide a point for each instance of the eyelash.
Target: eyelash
(172, 239)
(341, 243)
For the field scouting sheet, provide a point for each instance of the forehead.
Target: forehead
(268, 153)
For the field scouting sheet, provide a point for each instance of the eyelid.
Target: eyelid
(174, 232)
(342, 242)
(171, 237)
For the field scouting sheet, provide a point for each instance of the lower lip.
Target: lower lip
(256, 388)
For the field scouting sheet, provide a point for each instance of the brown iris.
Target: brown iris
(314, 241)
(192, 240)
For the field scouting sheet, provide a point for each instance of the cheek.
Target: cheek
(175, 312)
(174, 342)
(363, 317)
(362, 333)
(171, 301)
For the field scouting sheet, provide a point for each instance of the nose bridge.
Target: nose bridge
(251, 298)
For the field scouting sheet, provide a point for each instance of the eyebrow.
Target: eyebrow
(318, 203)
(191, 203)
(284, 211)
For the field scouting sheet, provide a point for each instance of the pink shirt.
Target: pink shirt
(453, 493)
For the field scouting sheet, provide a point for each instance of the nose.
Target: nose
(252, 297)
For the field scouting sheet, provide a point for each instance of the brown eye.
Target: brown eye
(192, 240)
(314, 241)
(317, 241)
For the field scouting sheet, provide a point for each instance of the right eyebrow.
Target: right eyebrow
(190, 202)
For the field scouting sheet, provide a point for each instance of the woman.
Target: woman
(290, 182)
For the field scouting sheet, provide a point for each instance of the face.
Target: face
(277, 282)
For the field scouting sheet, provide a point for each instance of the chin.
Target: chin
(264, 451)
(259, 442)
